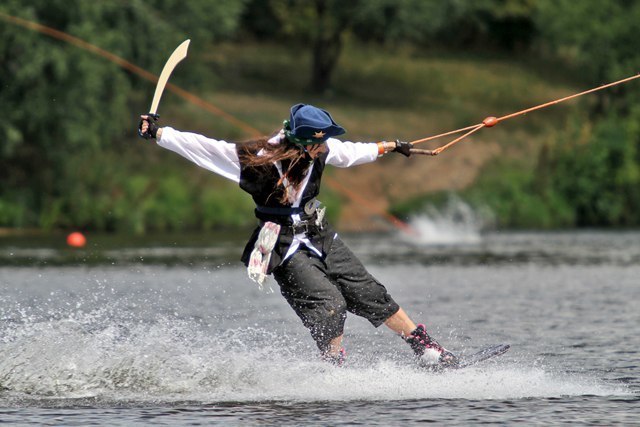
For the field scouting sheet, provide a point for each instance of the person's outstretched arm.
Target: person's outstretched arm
(215, 155)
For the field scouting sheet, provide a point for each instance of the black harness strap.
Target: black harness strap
(280, 211)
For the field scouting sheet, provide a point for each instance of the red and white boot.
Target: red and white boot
(428, 351)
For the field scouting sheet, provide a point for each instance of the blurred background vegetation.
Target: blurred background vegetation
(387, 69)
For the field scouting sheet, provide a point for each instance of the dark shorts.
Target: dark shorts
(322, 291)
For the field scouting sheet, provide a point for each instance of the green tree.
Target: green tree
(597, 171)
(59, 102)
(599, 38)
(589, 176)
(487, 24)
(319, 27)
(319, 24)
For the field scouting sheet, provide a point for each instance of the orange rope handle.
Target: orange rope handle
(429, 138)
(492, 121)
(460, 138)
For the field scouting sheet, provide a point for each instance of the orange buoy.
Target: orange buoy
(76, 240)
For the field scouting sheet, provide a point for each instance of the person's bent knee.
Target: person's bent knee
(328, 325)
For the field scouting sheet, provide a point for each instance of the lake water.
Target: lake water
(176, 334)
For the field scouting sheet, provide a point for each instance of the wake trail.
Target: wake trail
(96, 355)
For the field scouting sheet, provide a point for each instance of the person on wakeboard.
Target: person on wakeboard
(318, 275)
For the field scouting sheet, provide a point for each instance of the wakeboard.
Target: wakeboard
(472, 359)
(480, 356)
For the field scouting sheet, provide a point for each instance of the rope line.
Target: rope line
(492, 121)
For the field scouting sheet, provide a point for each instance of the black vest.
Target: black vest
(262, 184)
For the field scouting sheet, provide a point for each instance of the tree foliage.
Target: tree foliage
(322, 26)
(598, 38)
(589, 176)
(59, 102)
(66, 113)
(316, 27)
(492, 24)
(597, 171)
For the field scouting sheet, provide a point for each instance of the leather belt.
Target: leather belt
(309, 208)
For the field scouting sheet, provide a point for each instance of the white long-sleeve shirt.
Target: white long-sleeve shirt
(221, 157)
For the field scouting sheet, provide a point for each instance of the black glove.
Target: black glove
(153, 126)
(403, 148)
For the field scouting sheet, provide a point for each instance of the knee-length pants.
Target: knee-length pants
(322, 291)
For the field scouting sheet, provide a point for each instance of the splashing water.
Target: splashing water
(455, 223)
(109, 355)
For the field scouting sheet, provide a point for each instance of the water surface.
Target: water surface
(175, 334)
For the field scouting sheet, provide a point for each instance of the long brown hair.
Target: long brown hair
(294, 160)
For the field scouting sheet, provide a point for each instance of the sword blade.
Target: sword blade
(178, 55)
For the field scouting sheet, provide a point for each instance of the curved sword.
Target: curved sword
(178, 55)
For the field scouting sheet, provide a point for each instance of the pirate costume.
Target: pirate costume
(318, 275)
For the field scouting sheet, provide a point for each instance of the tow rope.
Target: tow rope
(492, 121)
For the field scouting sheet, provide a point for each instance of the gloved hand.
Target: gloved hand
(403, 148)
(148, 126)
